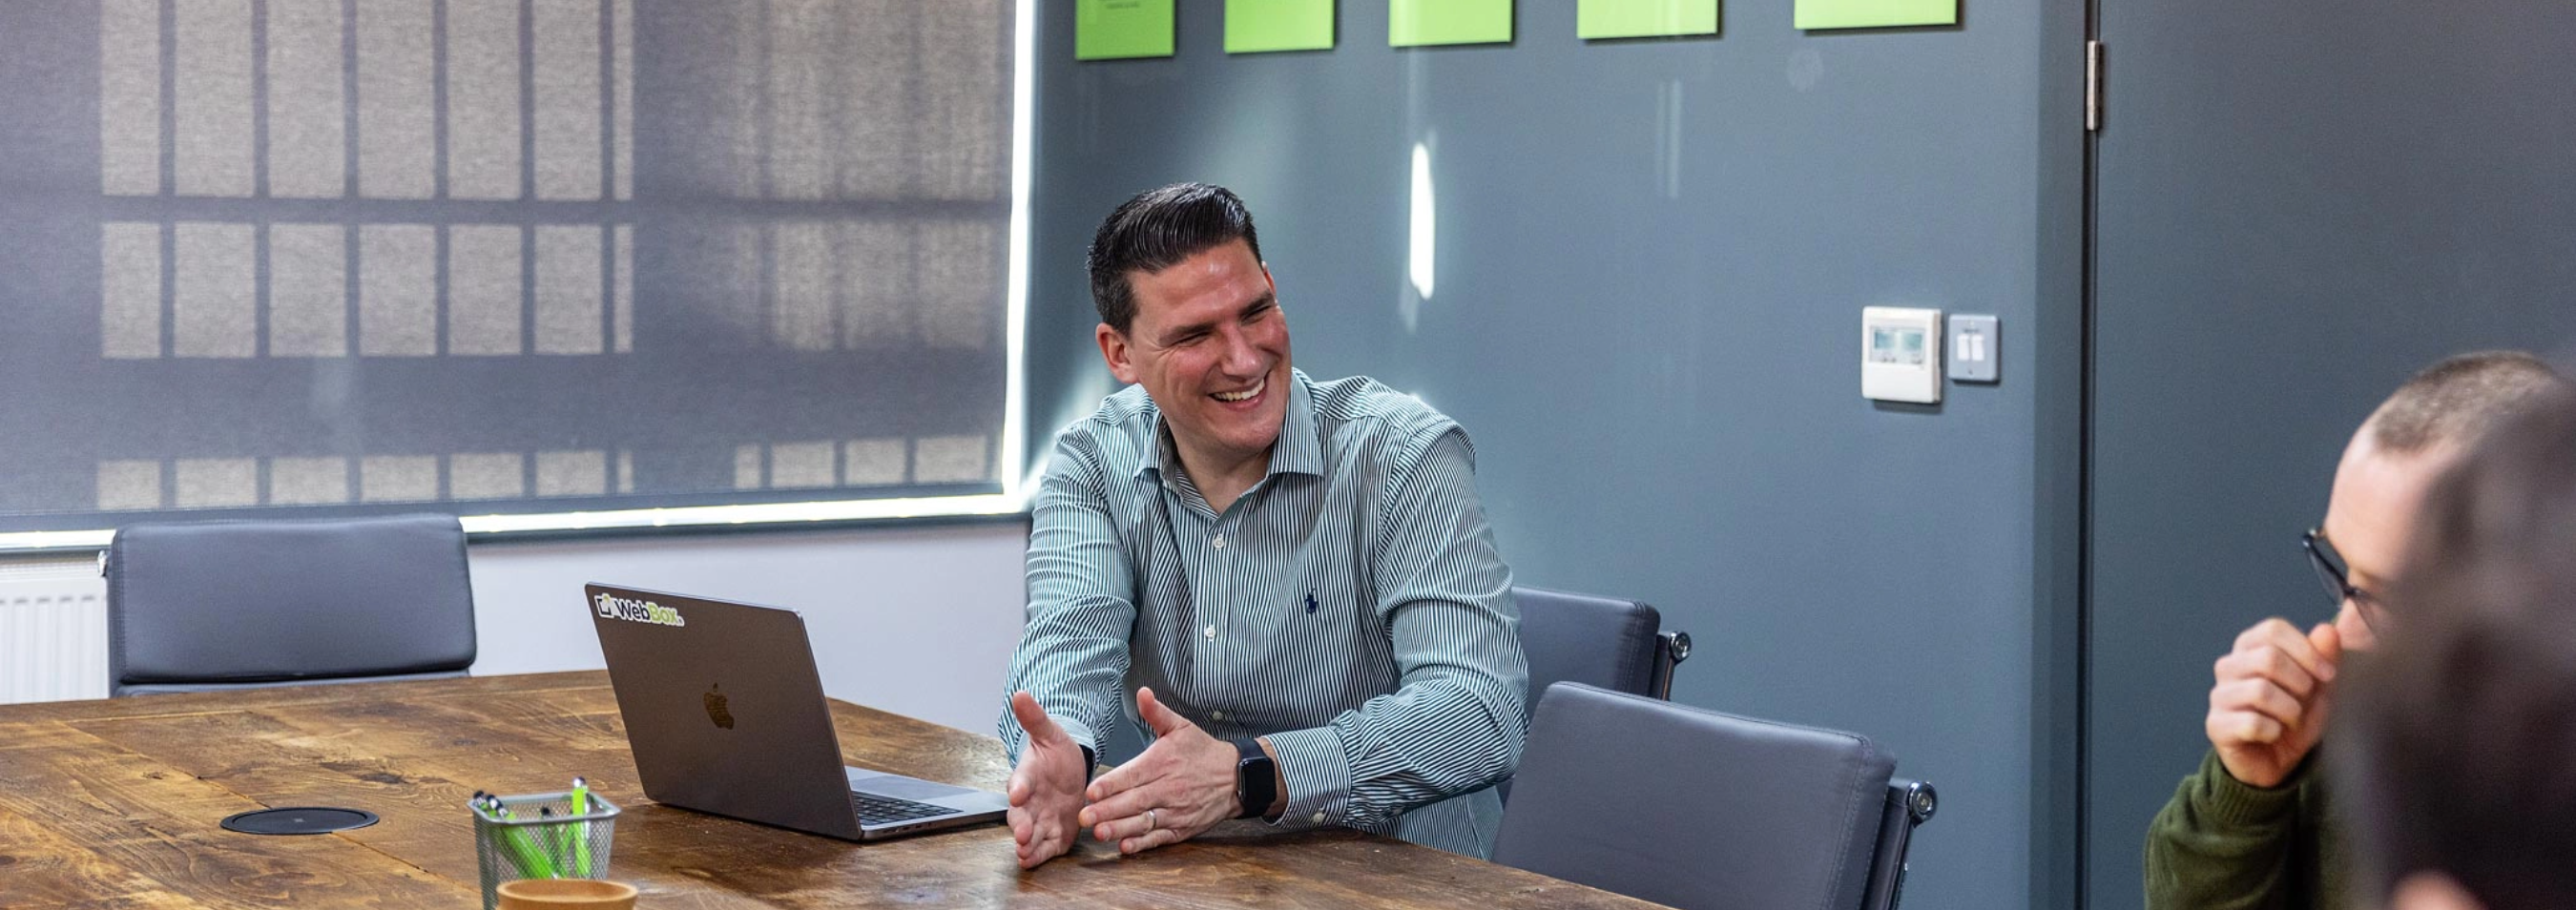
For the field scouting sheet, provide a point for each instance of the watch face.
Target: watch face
(1255, 781)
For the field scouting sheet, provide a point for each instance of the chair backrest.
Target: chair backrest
(1597, 641)
(1695, 808)
(218, 605)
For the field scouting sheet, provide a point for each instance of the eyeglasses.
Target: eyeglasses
(2338, 580)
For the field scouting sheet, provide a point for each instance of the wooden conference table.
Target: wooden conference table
(117, 803)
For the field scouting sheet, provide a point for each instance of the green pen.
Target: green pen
(556, 838)
(531, 861)
(581, 832)
(537, 864)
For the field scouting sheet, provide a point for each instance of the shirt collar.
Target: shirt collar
(1299, 449)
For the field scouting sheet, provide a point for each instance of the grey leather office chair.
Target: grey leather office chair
(1601, 641)
(245, 604)
(1694, 808)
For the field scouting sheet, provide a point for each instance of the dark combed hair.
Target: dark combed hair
(1155, 231)
(2463, 740)
(2452, 401)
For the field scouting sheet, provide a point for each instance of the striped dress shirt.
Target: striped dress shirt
(1350, 606)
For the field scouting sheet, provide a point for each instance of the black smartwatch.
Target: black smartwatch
(1256, 780)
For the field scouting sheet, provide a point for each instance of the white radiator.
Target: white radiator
(53, 629)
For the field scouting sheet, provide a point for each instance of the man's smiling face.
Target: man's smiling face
(1210, 345)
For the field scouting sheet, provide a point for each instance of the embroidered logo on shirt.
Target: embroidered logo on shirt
(1310, 603)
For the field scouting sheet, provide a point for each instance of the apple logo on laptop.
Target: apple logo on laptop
(716, 707)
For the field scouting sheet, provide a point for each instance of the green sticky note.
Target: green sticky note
(1644, 18)
(1876, 13)
(1410, 23)
(1118, 29)
(1254, 26)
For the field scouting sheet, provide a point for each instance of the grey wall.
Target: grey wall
(1652, 258)
(2296, 212)
(914, 619)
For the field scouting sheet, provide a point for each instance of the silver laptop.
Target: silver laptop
(726, 714)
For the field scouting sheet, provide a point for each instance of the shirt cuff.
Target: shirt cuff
(1080, 732)
(1318, 777)
(2235, 802)
(1015, 741)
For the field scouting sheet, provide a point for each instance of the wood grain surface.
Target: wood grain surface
(116, 804)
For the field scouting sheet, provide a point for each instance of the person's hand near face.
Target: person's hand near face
(2269, 705)
(2274, 690)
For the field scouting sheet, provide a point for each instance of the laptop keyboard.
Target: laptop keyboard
(886, 810)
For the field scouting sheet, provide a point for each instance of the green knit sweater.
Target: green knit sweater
(2221, 843)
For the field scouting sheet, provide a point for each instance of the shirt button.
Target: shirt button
(1319, 818)
(1217, 715)
(1210, 632)
(1220, 541)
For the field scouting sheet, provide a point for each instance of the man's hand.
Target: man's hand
(2269, 705)
(1182, 785)
(1046, 788)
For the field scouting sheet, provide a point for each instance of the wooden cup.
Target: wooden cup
(565, 894)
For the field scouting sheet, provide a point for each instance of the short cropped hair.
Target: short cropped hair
(2451, 402)
(1155, 231)
(2464, 728)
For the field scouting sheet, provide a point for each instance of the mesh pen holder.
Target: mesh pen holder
(543, 839)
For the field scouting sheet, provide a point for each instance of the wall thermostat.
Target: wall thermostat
(1900, 354)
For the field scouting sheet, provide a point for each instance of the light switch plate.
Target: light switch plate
(1976, 348)
(1900, 354)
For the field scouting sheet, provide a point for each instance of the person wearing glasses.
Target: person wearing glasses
(2250, 828)
(2458, 748)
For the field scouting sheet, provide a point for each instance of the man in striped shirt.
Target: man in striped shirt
(1295, 578)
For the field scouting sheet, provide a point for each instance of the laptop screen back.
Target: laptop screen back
(723, 708)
